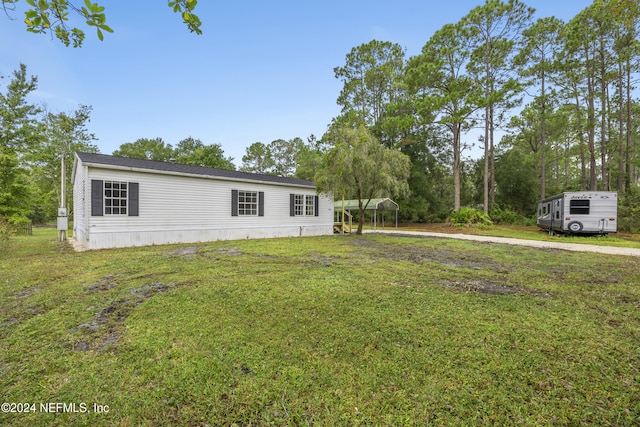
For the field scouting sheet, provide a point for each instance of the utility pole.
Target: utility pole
(63, 220)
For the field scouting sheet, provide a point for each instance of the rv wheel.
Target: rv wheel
(575, 226)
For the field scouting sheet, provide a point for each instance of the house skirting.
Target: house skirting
(103, 239)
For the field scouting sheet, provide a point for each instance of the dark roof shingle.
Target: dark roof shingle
(152, 165)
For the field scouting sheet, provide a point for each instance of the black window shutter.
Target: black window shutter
(96, 197)
(234, 202)
(292, 207)
(316, 205)
(261, 203)
(133, 198)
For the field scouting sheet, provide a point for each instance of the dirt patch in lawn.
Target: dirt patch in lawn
(185, 251)
(421, 255)
(26, 293)
(219, 252)
(454, 259)
(490, 287)
(103, 331)
(104, 284)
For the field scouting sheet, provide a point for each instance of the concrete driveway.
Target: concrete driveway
(520, 242)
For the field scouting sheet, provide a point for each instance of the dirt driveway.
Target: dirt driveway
(520, 242)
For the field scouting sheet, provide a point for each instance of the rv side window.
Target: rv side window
(579, 207)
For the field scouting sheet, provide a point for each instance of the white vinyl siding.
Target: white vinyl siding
(181, 209)
(80, 204)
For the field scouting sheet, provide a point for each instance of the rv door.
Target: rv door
(557, 213)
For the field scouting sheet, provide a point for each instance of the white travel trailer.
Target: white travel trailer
(583, 212)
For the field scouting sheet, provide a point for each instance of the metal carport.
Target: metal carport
(375, 205)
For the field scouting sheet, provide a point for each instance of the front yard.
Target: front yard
(336, 330)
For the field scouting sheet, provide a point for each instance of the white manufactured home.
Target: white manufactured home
(582, 212)
(120, 202)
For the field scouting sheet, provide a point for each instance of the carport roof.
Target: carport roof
(384, 204)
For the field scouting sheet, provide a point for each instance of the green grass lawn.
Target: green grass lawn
(335, 330)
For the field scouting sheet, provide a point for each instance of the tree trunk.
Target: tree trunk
(360, 212)
(621, 174)
(543, 139)
(593, 173)
(485, 192)
(603, 118)
(361, 219)
(583, 159)
(456, 167)
(492, 163)
(567, 147)
(629, 127)
(487, 92)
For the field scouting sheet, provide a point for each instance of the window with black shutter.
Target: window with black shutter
(114, 198)
(247, 203)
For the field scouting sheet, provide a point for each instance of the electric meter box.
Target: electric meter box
(63, 221)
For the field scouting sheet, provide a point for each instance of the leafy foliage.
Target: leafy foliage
(629, 211)
(65, 134)
(466, 217)
(445, 95)
(32, 142)
(146, 148)
(502, 216)
(19, 136)
(358, 165)
(370, 77)
(257, 159)
(283, 158)
(516, 176)
(189, 151)
(16, 193)
(53, 16)
(285, 155)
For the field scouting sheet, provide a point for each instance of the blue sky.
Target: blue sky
(260, 71)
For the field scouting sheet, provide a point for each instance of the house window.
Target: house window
(303, 205)
(298, 204)
(115, 198)
(579, 207)
(309, 205)
(247, 203)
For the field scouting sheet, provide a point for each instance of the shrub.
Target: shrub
(507, 216)
(629, 211)
(470, 217)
